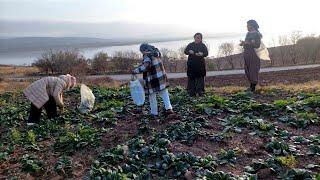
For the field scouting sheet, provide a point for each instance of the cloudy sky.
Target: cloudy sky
(208, 16)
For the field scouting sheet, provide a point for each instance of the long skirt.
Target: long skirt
(196, 86)
(251, 66)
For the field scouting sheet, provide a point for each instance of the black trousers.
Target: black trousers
(196, 86)
(50, 107)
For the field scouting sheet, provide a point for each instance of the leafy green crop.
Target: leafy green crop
(288, 161)
(31, 137)
(229, 156)
(5, 152)
(148, 151)
(15, 136)
(63, 166)
(314, 150)
(279, 148)
(31, 164)
(82, 137)
(297, 174)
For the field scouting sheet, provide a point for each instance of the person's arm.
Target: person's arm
(57, 93)
(188, 49)
(205, 51)
(155, 53)
(255, 43)
(144, 67)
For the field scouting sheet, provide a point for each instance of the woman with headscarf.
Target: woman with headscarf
(47, 92)
(155, 78)
(196, 66)
(252, 61)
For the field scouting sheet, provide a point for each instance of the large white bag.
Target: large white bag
(137, 91)
(262, 52)
(87, 99)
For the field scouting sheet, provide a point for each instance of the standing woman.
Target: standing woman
(196, 66)
(251, 60)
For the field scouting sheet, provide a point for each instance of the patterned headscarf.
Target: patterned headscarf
(71, 81)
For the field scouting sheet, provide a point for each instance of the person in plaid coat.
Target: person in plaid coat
(155, 78)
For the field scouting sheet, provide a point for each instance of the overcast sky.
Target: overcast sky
(209, 16)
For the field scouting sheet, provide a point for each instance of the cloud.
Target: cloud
(202, 15)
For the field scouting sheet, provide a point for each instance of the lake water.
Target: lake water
(27, 58)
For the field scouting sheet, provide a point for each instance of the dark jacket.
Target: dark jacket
(253, 40)
(196, 64)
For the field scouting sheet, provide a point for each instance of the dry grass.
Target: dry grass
(14, 85)
(308, 86)
(99, 82)
(7, 85)
(11, 86)
(14, 71)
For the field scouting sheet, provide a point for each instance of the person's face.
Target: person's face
(197, 39)
(249, 27)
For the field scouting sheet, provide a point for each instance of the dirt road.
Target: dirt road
(127, 77)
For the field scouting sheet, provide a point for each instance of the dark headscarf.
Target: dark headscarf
(254, 24)
(147, 47)
(153, 50)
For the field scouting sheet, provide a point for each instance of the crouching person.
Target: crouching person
(155, 78)
(47, 93)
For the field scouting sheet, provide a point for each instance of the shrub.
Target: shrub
(123, 61)
(62, 62)
(100, 63)
(310, 47)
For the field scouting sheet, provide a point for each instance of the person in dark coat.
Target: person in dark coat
(252, 61)
(196, 66)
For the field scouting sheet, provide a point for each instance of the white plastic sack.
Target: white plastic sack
(137, 92)
(87, 99)
(262, 52)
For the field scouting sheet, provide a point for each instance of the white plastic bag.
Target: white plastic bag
(137, 91)
(87, 99)
(262, 52)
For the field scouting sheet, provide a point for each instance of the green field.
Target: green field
(271, 134)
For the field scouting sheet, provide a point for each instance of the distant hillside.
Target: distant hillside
(26, 44)
(45, 43)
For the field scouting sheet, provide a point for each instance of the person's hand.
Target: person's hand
(191, 52)
(146, 52)
(199, 54)
(242, 43)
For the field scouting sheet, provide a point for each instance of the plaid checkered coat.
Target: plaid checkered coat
(154, 74)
